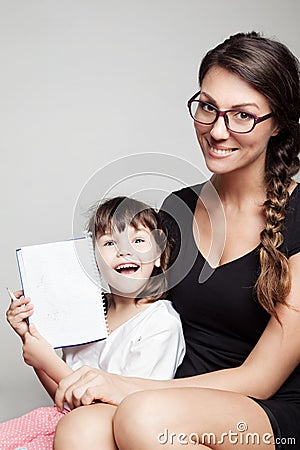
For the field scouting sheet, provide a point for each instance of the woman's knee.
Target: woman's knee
(138, 420)
(144, 419)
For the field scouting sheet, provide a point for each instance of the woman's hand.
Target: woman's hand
(37, 352)
(18, 312)
(86, 385)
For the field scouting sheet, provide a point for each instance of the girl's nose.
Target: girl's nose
(219, 131)
(123, 251)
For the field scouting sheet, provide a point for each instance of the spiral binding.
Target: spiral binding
(101, 283)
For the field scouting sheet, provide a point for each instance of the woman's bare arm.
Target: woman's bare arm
(272, 360)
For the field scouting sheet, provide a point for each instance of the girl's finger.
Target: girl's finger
(18, 303)
(22, 307)
(18, 294)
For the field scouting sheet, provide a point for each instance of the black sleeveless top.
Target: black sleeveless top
(222, 319)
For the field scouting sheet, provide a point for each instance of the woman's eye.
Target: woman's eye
(242, 115)
(207, 107)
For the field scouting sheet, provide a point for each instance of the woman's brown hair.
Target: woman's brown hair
(272, 70)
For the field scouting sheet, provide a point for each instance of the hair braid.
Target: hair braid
(274, 282)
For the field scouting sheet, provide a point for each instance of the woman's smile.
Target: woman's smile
(219, 150)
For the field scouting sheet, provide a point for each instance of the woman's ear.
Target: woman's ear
(276, 130)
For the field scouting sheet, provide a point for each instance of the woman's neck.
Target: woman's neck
(239, 191)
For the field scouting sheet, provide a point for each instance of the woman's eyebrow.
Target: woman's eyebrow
(209, 98)
(240, 105)
(243, 105)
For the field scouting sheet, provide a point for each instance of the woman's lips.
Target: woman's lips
(220, 151)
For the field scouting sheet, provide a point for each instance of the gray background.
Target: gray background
(84, 83)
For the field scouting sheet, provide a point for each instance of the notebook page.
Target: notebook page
(68, 308)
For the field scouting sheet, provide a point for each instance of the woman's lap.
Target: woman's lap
(177, 418)
(170, 418)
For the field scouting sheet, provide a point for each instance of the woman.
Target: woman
(239, 285)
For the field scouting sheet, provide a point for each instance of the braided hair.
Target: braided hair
(269, 67)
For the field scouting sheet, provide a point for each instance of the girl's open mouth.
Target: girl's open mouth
(127, 268)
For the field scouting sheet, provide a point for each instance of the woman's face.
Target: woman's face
(223, 150)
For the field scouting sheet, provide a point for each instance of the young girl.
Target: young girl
(145, 335)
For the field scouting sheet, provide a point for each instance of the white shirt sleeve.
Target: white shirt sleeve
(159, 349)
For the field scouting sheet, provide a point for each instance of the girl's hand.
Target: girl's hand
(18, 313)
(37, 352)
(86, 385)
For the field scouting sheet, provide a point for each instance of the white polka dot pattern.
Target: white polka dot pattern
(32, 431)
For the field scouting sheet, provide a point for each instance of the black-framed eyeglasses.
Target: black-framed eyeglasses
(237, 121)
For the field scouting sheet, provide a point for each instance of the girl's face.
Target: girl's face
(223, 150)
(126, 259)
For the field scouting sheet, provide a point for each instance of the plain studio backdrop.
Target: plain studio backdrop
(85, 83)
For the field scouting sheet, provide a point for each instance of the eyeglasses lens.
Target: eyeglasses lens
(236, 121)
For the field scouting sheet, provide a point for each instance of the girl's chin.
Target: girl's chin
(127, 291)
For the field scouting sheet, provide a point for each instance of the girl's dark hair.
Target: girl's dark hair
(269, 67)
(117, 213)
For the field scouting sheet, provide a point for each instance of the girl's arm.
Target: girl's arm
(17, 316)
(271, 361)
(49, 367)
(49, 385)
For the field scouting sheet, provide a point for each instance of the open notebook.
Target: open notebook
(64, 285)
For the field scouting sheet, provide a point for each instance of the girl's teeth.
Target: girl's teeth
(221, 152)
(127, 266)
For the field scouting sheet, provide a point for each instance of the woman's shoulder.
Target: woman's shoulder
(179, 204)
(293, 206)
(187, 194)
(291, 227)
(295, 195)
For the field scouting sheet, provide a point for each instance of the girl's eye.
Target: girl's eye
(242, 115)
(109, 243)
(139, 240)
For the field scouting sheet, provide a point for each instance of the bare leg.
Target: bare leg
(86, 428)
(188, 417)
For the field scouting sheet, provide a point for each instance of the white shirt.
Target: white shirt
(149, 345)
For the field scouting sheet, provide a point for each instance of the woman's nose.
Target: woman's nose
(219, 131)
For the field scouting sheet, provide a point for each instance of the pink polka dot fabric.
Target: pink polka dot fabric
(32, 431)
